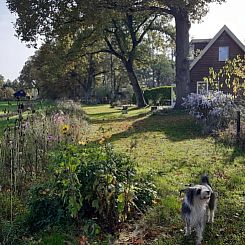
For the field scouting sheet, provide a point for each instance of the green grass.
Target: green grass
(11, 107)
(105, 112)
(172, 148)
(8, 106)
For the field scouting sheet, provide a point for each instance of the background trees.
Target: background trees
(6, 88)
(77, 58)
(122, 33)
(1, 80)
(58, 18)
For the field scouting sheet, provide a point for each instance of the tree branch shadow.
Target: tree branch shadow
(175, 126)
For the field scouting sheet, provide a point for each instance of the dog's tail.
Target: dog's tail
(205, 180)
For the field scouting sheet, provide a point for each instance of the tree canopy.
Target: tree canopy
(49, 19)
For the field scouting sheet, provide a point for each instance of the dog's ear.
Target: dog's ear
(190, 195)
(198, 191)
(205, 180)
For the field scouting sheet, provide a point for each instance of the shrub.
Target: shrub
(45, 207)
(213, 110)
(67, 107)
(159, 95)
(12, 218)
(96, 182)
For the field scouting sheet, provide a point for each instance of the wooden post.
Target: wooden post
(238, 126)
(154, 108)
(125, 109)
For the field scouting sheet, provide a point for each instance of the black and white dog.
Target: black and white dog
(199, 205)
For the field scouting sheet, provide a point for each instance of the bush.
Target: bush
(45, 207)
(96, 182)
(213, 110)
(159, 95)
(68, 108)
(12, 218)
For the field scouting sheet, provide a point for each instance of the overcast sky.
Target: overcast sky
(13, 53)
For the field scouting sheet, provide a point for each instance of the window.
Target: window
(223, 53)
(202, 87)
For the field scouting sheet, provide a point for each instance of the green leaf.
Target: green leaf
(95, 204)
(121, 197)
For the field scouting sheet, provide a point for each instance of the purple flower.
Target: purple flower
(51, 138)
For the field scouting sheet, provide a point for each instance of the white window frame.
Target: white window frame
(202, 82)
(223, 53)
(192, 52)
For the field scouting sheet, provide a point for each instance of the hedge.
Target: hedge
(159, 95)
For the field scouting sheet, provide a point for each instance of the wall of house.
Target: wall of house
(211, 59)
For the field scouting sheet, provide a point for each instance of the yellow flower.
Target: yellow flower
(81, 142)
(65, 128)
(102, 141)
(107, 135)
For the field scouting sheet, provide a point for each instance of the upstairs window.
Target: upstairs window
(223, 53)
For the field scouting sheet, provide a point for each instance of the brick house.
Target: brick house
(212, 53)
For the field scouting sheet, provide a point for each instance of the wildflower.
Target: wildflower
(51, 138)
(81, 142)
(27, 125)
(102, 141)
(65, 128)
(59, 118)
(107, 135)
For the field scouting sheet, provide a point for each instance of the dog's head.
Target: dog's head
(199, 193)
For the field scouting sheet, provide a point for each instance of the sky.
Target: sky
(13, 53)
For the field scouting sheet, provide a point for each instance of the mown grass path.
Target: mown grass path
(171, 147)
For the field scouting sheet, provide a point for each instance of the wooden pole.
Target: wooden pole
(238, 126)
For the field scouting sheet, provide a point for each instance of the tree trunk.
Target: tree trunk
(140, 100)
(182, 25)
(90, 79)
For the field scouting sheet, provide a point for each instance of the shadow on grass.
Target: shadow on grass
(102, 114)
(120, 118)
(177, 126)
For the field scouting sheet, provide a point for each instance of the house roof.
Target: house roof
(20, 93)
(211, 42)
(200, 40)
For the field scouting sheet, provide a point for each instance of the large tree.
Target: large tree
(124, 37)
(184, 12)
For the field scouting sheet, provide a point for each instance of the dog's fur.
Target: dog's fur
(198, 205)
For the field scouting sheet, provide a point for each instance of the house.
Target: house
(206, 53)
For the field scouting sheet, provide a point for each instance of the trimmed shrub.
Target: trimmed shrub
(157, 96)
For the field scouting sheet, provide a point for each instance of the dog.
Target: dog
(198, 206)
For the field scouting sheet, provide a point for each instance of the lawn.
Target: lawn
(9, 110)
(171, 147)
(7, 106)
